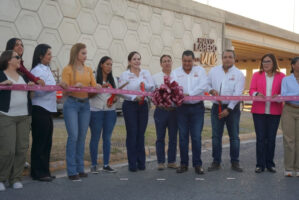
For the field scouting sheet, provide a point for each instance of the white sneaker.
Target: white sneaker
(288, 173)
(2, 187)
(26, 165)
(17, 185)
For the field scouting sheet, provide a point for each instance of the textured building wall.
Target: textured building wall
(107, 27)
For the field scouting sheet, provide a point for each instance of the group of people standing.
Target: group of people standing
(22, 110)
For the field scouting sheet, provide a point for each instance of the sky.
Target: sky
(280, 13)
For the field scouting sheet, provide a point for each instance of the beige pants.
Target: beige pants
(290, 128)
(14, 142)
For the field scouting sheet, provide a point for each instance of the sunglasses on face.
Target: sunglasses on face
(17, 57)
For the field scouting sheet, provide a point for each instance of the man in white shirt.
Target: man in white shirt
(226, 80)
(190, 115)
(165, 118)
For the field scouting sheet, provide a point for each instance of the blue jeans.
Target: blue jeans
(76, 116)
(232, 122)
(265, 128)
(190, 121)
(136, 118)
(101, 121)
(166, 119)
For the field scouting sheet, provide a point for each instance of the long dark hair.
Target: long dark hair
(4, 58)
(130, 56)
(11, 43)
(293, 62)
(274, 61)
(99, 78)
(39, 52)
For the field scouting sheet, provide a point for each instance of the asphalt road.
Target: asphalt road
(167, 185)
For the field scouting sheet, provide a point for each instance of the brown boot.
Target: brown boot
(236, 167)
(182, 169)
(214, 166)
(161, 166)
(172, 166)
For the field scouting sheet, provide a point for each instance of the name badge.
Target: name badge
(232, 78)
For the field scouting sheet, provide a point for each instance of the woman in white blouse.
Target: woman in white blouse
(15, 108)
(135, 110)
(43, 105)
(102, 116)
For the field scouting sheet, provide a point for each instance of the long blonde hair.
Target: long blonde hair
(74, 55)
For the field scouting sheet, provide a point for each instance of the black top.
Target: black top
(6, 94)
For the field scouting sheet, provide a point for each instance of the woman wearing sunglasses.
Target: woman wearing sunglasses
(15, 110)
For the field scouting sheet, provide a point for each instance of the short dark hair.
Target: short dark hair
(39, 51)
(99, 77)
(130, 56)
(4, 58)
(229, 50)
(163, 56)
(188, 53)
(11, 43)
(274, 61)
(293, 62)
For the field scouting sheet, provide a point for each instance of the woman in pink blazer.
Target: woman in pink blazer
(266, 115)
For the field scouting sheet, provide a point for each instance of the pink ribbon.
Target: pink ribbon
(131, 92)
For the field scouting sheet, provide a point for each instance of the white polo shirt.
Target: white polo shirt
(194, 83)
(44, 99)
(230, 83)
(134, 82)
(159, 78)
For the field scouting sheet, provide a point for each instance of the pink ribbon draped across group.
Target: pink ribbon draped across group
(24, 87)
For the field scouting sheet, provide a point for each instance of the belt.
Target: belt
(78, 99)
(191, 105)
(216, 104)
(292, 105)
(166, 109)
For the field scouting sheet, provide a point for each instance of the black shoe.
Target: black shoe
(141, 168)
(53, 177)
(214, 166)
(132, 169)
(182, 169)
(199, 170)
(83, 175)
(258, 170)
(271, 169)
(75, 178)
(109, 169)
(236, 167)
(44, 179)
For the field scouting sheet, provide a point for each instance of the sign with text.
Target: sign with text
(205, 51)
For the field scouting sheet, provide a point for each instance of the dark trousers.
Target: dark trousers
(166, 119)
(42, 132)
(232, 122)
(136, 118)
(266, 126)
(190, 122)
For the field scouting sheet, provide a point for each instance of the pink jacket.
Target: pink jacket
(258, 84)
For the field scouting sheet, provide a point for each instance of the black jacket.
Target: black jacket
(5, 95)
